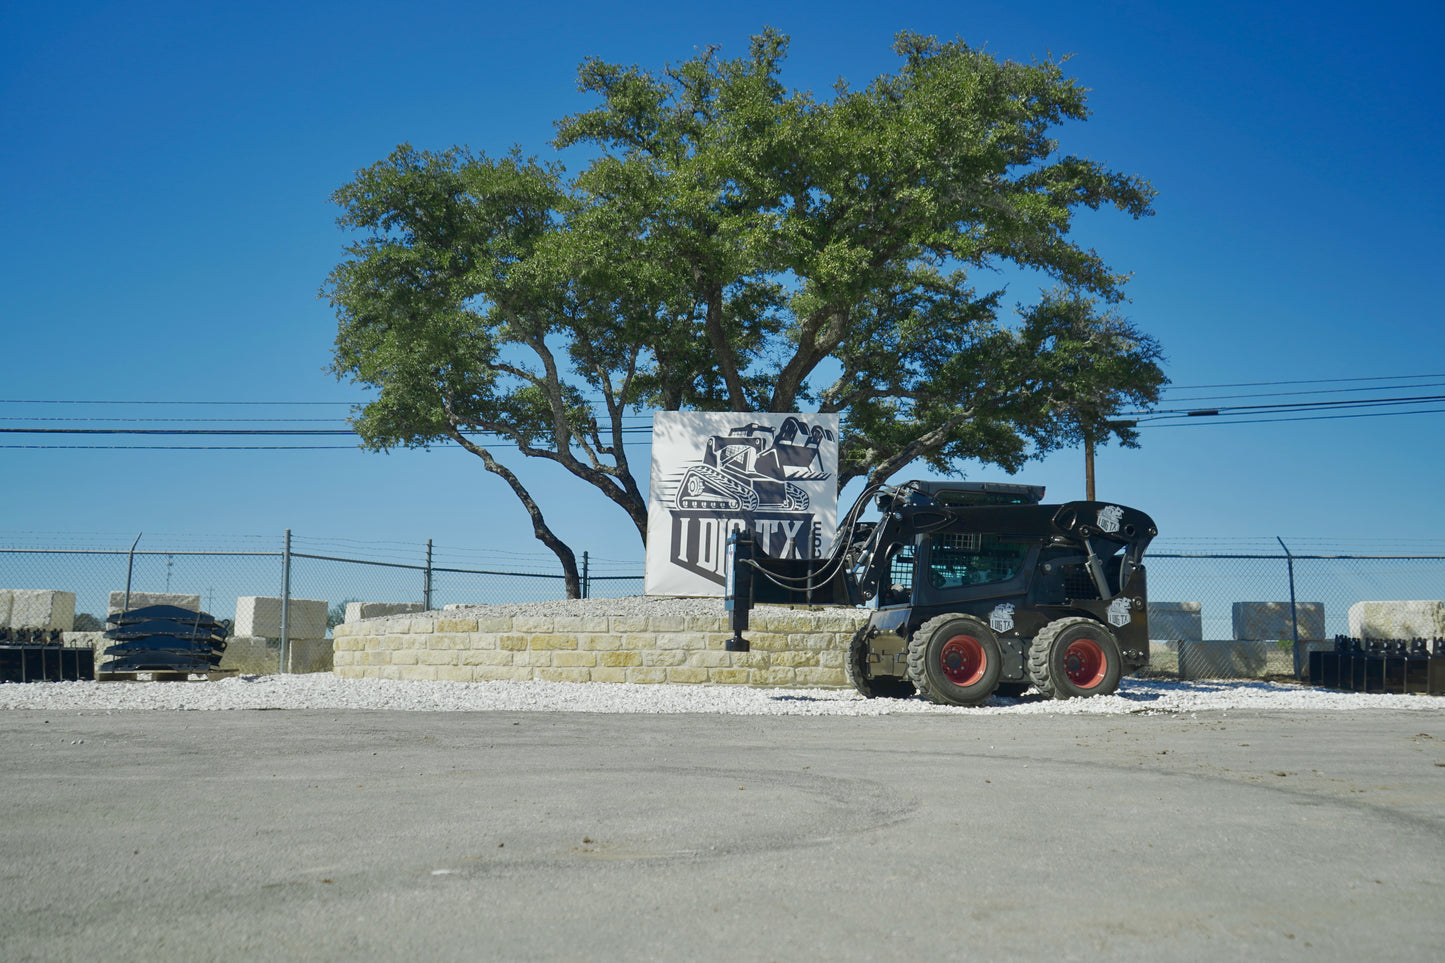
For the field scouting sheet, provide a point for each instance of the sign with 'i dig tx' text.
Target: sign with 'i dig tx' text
(714, 473)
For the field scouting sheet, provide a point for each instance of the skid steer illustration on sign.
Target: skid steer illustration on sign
(753, 468)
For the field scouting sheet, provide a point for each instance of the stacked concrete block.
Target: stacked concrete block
(258, 617)
(1176, 621)
(6, 596)
(255, 655)
(1272, 621)
(789, 647)
(261, 615)
(309, 655)
(356, 611)
(251, 655)
(38, 609)
(1398, 620)
(1171, 623)
(139, 600)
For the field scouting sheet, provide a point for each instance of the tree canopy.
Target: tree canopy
(731, 244)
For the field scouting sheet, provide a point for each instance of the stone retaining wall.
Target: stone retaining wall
(789, 647)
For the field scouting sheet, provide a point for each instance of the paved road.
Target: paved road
(520, 836)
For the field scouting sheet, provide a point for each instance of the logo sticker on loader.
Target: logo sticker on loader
(1001, 619)
(1109, 517)
(1119, 614)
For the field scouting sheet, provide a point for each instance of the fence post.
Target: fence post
(426, 580)
(585, 576)
(285, 600)
(129, 570)
(1293, 611)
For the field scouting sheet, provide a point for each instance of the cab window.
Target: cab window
(958, 560)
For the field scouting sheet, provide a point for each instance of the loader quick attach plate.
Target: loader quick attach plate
(164, 642)
(1381, 666)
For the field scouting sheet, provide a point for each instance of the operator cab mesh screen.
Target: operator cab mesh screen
(973, 559)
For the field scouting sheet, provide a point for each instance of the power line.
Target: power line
(179, 447)
(176, 431)
(1311, 381)
(1284, 406)
(1321, 391)
(140, 420)
(54, 401)
(1261, 421)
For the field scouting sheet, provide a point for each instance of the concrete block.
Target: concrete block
(1225, 659)
(356, 611)
(309, 655)
(139, 600)
(256, 655)
(5, 598)
(1176, 621)
(89, 640)
(1398, 620)
(251, 655)
(260, 615)
(42, 609)
(1270, 621)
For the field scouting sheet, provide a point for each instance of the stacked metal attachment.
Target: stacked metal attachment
(40, 655)
(165, 640)
(23, 636)
(1381, 665)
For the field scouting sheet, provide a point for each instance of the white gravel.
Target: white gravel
(324, 691)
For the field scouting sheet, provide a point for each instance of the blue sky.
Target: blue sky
(165, 171)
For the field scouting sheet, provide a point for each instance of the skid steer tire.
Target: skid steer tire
(854, 667)
(1075, 657)
(955, 660)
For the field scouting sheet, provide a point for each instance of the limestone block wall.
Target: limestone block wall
(356, 611)
(789, 647)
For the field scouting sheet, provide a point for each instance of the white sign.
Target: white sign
(714, 473)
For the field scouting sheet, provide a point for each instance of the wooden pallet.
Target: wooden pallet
(157, 676)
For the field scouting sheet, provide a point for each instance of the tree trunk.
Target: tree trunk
(540, 529)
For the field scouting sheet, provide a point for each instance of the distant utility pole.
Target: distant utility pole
(1089, 456)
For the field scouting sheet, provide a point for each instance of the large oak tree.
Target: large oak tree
(735, 245)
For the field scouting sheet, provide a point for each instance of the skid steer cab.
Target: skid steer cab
(977, 588)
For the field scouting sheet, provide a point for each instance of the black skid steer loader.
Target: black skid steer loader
(978, 589)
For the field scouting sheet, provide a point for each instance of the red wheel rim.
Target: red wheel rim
(962, 660)
(1084, 663)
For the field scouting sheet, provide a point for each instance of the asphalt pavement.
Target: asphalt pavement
(325, 835)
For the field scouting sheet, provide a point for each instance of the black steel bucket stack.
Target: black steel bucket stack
(165, 640)
(41, 655)
(1381, 665)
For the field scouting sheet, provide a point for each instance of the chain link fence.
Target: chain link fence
(1213, 614)
(1259, 615)
(336, 571)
